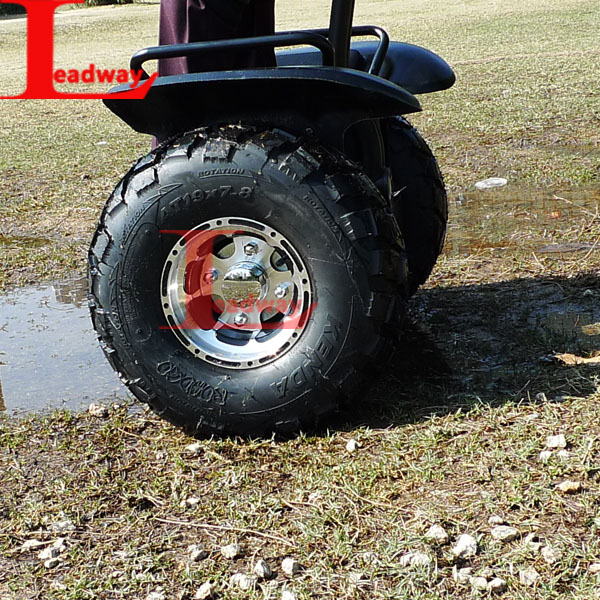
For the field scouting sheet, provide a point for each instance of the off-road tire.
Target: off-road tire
(333, 216)
(419, 198)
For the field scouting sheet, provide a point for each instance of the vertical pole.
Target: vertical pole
(340, 27)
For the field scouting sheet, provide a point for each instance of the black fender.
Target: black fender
(411, 67)
(326, 100)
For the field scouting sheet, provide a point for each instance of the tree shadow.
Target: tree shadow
(487, 343)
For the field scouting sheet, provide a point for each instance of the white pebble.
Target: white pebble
(532, 542)
(289, 595)
(156, 595)
(569, 487)
(504, 533)
(563, 455)
(231, 551)
(49, 552)
(31, 545)
(497, 585)
(436, 533)
(290, 566)
(551, 555)
(495, 520)
(262, 569)
(63, 526)
(197, 553)
(195, 448)
(491, 182)
(98, 410)
(242, 581)
(462, 575)
(415, 559)
(528, 576)
(52, 562)
(594, 568)
(466, 546)
(192, 501)
(545, 456)
(352, 445)
(555, 442)
(205, 591)
(356, 577)
(479, 583)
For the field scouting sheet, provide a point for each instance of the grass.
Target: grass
(451, 435)
(524, 108)
(123, 482)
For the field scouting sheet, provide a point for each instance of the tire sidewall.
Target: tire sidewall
(203, 393)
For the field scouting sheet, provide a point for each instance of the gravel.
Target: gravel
(532, 543)
(415, 559)
(231, 551)
(288, 595)
(352, 445)
(528, 576)
(479, 583)
(594, 568)
(495, 520)
(31, 545)
(51, 563)
(569, 487)
(197, 553)
(436, 533)
(262, 569)
(463, 575)
(290, 566)
(205, 591)
(98, 410)
(192, 502)
(556, 442)
(242, 581)
(497, 585)
(551, 555)
(53, 551)
(466, 546)
(504, 533)
(63, 526)
(195, 448)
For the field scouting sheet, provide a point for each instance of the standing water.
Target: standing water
(49, 353)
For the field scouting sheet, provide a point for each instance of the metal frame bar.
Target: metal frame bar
(364, 30)
(277, 40)
(340, 28)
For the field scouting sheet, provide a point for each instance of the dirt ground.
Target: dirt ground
(499, 355)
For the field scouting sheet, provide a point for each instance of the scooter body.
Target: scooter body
(252, 272)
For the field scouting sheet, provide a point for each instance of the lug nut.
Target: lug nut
(281, 290)
(240, 319)
(251, 248)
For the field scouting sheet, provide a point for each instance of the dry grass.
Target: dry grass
(451, 436)
(524, 108)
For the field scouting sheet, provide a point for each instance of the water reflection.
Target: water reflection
(49, 354)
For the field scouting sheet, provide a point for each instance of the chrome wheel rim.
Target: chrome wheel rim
(235, 293)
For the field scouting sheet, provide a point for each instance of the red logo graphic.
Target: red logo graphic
(211, 304)
(40, 57)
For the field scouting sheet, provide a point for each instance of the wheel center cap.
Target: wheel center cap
(244, 284)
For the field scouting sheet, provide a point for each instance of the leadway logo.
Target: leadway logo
(93, 75)
(40, 61)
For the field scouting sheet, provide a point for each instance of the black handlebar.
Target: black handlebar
(277, 40)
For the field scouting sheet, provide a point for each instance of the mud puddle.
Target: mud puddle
(505, 219)
(49, 354)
